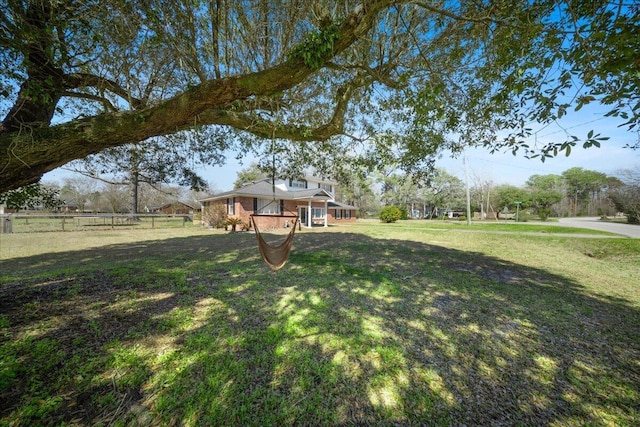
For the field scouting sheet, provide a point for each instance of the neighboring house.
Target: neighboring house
(71, 206)
(311, 200)
(176, 208)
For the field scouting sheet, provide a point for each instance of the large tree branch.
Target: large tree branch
(26, 154)
(94, 175)
(270, 129)
(449, 14)
(78, 80)
(108, 106)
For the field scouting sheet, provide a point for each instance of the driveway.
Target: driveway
(594, 223)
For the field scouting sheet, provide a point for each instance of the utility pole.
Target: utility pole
(466, 181)
(489, 201)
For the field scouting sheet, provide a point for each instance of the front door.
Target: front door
(302, 215)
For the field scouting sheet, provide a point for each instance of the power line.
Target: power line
(570, 127)
(511, 165)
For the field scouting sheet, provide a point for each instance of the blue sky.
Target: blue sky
(608, 159)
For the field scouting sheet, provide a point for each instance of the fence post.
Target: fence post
(5, 224)
(63, 222)
(112, 222)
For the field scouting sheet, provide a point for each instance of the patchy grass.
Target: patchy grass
(365, 325)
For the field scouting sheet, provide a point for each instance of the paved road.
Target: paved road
(594, 223)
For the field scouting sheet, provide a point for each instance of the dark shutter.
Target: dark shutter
(281, 207)
(255, 206)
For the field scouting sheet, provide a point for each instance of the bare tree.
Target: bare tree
(80, 191)
(113, 198)
(626, 196)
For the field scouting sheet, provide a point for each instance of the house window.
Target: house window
(297, 183)
(318, 213)
(338, 213)
(268, 206)
(231, 206)
(347, 214)
(326, 187)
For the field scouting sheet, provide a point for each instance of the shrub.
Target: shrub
(214, 215)
(390, 214)
(544, 213)
(524, 216)
(234, 221)
(404, 213)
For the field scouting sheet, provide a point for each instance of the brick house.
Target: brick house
(312, 201)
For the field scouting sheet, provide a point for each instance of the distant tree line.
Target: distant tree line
(575, 192)
(82, 194)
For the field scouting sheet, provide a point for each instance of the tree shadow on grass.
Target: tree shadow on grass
(353, 331)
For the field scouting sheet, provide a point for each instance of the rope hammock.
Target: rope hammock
(275, 256)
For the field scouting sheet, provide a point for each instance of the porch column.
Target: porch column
(326, 213)
(309, 213)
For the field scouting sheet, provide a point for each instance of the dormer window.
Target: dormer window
(297, 183)
(326, 187)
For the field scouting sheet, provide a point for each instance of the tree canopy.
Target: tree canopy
(366, 81)
(249, 174)
(31, 196)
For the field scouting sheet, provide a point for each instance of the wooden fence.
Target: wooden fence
(31, 223)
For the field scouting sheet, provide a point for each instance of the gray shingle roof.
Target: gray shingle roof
(264, 189)
(341, 205)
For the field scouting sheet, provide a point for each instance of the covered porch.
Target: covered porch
(313, 207)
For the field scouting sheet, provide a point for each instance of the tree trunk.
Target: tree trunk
(135, 183)
(41, 91)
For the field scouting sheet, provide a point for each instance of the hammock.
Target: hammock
(275, 256)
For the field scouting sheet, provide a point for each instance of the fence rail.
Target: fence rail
(32, 223)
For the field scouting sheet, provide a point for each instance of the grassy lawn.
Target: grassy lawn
(371, 324)
(489, 226)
